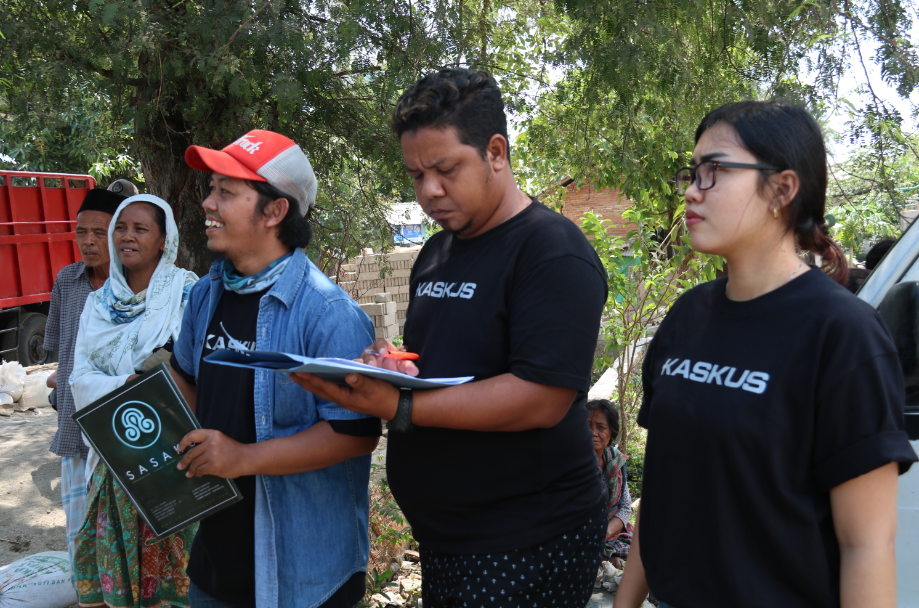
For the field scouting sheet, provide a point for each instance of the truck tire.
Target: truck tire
(31, 337)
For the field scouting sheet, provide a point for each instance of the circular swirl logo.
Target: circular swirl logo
(136, 424)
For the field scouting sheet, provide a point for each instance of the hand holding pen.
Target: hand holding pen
(383, 354)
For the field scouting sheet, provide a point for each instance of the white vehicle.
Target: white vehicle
(893, 288)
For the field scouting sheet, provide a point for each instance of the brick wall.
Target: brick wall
(606, 202)
(384, 299)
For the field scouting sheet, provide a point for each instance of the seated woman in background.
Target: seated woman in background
(603, 420)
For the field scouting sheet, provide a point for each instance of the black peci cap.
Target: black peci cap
(99, 199)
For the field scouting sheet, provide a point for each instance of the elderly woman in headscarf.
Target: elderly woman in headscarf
(603, 420)
(126, 327)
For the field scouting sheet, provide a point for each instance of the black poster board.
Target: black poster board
(136, 431)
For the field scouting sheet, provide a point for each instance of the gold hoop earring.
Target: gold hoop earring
(775, 213)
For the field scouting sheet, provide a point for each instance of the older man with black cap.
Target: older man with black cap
(72, 286)
(299, 536)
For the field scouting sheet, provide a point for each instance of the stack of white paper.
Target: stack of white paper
(325, 367)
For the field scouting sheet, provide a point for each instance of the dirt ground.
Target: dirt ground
(31, 515)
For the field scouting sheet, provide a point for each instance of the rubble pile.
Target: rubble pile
(403, 590)
(608, 577)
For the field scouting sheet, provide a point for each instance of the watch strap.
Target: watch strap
(402, 421)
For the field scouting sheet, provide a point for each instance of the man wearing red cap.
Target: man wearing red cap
(299, 537)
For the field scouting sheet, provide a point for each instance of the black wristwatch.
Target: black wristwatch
(402, 421)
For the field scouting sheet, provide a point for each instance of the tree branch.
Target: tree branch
(892, 43)
(245, 23)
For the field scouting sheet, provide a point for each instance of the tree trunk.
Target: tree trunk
(161, 140)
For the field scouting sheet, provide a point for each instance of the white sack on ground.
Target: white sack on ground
(38, 581)
(12, 379)
(35, 391)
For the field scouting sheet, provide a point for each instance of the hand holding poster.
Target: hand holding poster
(136, 431)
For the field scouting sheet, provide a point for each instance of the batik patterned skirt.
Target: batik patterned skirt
(618, 546)
(118, 563)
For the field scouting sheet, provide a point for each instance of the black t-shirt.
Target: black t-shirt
(222, 562)
(757, 409)
(523, 298)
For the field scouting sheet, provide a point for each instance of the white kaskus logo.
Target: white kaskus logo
(136, 424)
(249, 146)
(441, 289)
(215, 342)
(712, 373)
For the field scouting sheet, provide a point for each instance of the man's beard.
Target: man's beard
(210, 255)
(459, 231)
(469, 225)
(101, 264)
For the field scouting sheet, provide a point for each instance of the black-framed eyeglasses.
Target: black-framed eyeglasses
(704, 174)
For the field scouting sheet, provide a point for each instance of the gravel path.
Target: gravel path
(31, 514)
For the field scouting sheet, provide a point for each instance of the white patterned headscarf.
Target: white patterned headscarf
(119, 329)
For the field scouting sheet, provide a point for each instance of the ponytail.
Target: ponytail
(813, 237)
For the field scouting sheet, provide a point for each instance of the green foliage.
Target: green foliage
(606, 92)
(388, 526)
(350, 214)
(636, 79)
(646, 274)
(636, 463)
(869, 191)
(864, 220)
(65, 128)
(147, 78)
(376, 580)
(395, 531)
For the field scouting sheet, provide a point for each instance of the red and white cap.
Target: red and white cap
(261, 156)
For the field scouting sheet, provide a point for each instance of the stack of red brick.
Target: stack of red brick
(607, 202)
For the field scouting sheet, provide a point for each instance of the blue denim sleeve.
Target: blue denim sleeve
(183, 351)
(344, 331)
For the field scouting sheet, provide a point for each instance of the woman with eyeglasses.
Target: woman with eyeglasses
(774, 385)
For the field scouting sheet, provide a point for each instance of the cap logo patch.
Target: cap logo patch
(249, 146)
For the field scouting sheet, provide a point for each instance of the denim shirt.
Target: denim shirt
(310, 528)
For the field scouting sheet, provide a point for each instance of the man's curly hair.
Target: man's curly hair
(467, 100)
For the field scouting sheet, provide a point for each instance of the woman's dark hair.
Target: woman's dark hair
(877, 253)
(781, 134)
(857, 276)
(294, 230)
(611, 413)
(159, 216)
(467, 100)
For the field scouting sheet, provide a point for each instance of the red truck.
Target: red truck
(38, 216)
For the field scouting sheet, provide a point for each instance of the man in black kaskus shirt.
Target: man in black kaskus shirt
(496, 477)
